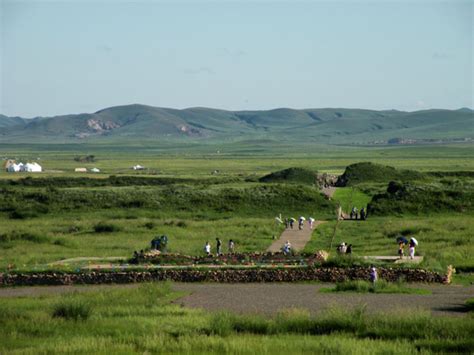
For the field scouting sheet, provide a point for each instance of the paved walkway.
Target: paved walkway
(298, 238)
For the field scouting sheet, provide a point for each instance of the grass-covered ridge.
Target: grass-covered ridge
(291, 175)
(370, 172)
(412, 198)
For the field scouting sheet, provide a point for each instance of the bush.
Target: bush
(149, 225)
(470, 305)
(70, 309)
(106, 228)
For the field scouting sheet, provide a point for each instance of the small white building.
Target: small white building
(138, 167)
(80, 170)
(31, 168)
(95, 170)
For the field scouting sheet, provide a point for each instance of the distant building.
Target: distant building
(80, 170)
(95, 170)
(138, 167)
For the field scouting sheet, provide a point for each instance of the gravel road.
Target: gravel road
(269, 298)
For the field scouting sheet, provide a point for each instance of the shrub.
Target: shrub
(149, 225)
(71, 309)
(106, 228)
(470, 305)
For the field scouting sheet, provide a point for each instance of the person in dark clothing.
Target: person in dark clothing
(349, 249)
(363, 215)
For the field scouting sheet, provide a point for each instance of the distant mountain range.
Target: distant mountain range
(326, 125)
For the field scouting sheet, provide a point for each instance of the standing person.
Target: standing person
(300, 223)
(219, 246)
(292, 221)
(207, 249)
(311, 222)
(349, 249)
(339, 213)
(362, 214)
(401, 245)
(231, 246)
(373, 275)
(287, 248)
(287, 223)
(411, 249)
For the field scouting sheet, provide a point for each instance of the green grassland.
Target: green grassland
(143, 320)
(52, 215)
(194, 194)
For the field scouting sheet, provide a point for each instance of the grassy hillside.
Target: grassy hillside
(328, 125)
(291, 175)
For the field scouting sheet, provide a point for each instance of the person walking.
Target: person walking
(231, 246)
(411, 249)
(287, 248)
(401, 246)
(373, 275)
(207, 249)
(219, 246)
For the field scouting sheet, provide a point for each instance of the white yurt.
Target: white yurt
(32, 168)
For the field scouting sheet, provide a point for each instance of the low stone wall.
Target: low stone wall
(334, 274)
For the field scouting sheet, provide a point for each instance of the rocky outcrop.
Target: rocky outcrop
(225, 275)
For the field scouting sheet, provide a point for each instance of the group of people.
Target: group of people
(411, 249)
(286, 248)
(343, 248)
(355, 214)
(160, 243)
(230, 247)
(290, 222)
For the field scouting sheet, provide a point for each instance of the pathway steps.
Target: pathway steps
(298, 238)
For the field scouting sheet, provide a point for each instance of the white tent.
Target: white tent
(138, 167)
(80, 170)
(32, 168)
(95, 170)
(14, 168)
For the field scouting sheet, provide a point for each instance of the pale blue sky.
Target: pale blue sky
(82, 56)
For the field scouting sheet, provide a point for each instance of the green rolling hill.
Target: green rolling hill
(326, 125)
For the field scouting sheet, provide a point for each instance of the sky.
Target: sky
(67, 57)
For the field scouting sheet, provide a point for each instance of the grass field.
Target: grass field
(443, 240)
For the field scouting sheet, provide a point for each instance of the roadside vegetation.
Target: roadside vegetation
(380, 286)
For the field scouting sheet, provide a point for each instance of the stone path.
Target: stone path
(298, 238)
(328, 191)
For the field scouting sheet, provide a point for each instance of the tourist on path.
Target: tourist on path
(373, 275)
(207, 249)
(219, 246)
(231, 246)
